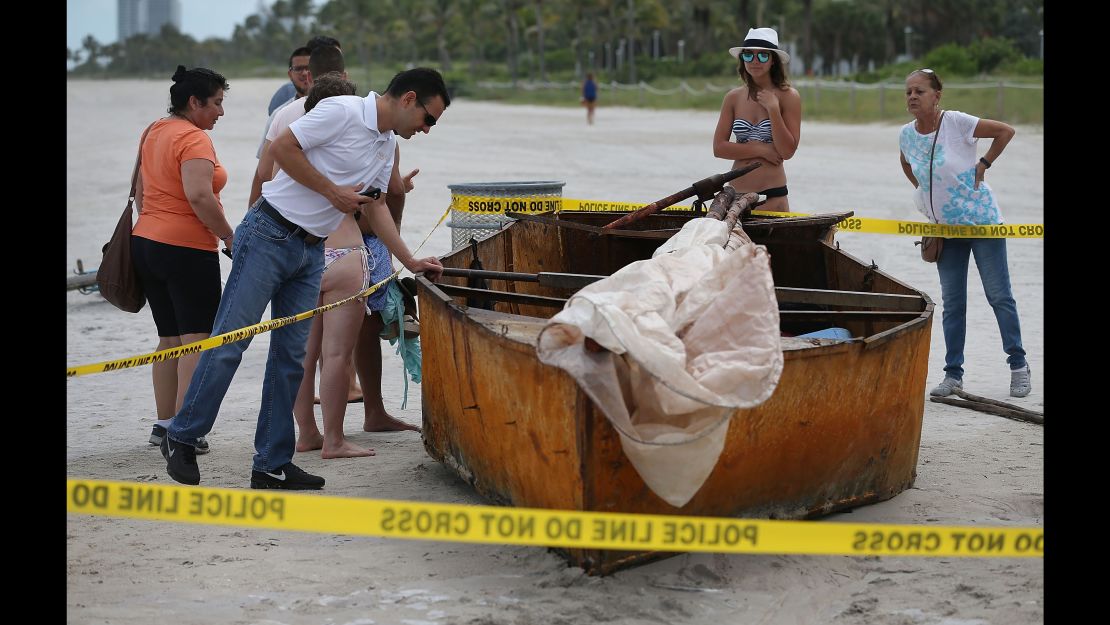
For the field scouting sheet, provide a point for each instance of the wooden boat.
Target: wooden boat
(841, 430)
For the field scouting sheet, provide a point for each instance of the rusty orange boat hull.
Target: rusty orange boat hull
(842, 428)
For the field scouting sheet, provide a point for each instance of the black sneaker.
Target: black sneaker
(181, 461)
(156, 435)
(202, 446)
(289, 477)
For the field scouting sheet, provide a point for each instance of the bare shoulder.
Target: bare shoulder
(735, 94)
(790, 93)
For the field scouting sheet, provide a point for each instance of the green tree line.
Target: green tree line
(621, 40)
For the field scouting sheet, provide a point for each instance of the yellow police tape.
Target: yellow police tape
(234, 335)
(541, 204)
(540, 527)
(218, 340)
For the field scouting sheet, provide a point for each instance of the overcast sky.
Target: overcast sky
(199, 18)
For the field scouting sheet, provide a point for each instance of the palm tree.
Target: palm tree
(299, 10)
(92, 46)
(441, 13)
(509, 7)
(537, 7)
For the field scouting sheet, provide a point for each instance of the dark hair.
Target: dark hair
(322, 40)
(199, 82)
(301, 51)
(778, 74)
(934, 80)
(327, 85)
(325, 59)
(425, 81)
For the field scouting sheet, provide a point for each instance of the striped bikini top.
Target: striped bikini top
(746, 131)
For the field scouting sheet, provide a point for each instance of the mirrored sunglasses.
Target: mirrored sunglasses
(761, 55)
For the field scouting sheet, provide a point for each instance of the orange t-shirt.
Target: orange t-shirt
(167, 216)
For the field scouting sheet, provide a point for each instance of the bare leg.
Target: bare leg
(354, 393)
(308, 435)
(340, 331)
(368, 360)
(164, 376)
(186, 365)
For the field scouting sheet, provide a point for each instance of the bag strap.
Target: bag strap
(931, 153)
(138, 160)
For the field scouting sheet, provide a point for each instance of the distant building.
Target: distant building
(146, 16)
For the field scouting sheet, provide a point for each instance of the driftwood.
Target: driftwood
(737, 206)
(80, 281)
(721, 203)
(742, 206)
(986, 400)
(992, 406)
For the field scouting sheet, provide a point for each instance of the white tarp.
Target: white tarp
(691, 334)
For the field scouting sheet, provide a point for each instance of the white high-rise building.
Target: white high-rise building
(146, 16)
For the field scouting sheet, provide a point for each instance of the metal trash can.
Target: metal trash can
(478, 208)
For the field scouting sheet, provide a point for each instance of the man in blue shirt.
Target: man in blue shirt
(298, 73)
(299, 82)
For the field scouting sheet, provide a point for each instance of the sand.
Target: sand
(974, 468)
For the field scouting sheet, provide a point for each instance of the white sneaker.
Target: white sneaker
(944, 389)
(1020, 385)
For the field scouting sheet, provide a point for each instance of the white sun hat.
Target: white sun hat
(761, 39)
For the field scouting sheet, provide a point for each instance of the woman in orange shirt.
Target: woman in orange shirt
(181, 221)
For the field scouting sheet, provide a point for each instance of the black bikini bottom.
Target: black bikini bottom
(776, 192)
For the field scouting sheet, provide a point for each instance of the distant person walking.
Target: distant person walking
(181, 222)
(765, 115)
(938, 156)
(589, 97)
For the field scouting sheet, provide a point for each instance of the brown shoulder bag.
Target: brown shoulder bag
(931, 247)
(116, 277)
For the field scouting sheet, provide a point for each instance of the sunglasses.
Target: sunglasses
(749, 56)
(429, 121)
(300, 69)
(923, 70)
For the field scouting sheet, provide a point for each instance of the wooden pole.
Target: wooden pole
(704, 189)
(80, 281)
(1010, 413)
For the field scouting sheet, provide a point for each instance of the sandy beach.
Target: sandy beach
(973, 469)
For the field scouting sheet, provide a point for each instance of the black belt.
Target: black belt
(309, 238)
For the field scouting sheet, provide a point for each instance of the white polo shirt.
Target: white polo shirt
(340, 138)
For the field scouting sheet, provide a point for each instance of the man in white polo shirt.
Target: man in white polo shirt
(344, 145)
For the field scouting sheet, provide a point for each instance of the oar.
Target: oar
(704, 189)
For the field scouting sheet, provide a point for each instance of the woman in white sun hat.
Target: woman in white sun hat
(764, 115)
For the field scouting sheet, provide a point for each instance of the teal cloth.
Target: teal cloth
(409, 349)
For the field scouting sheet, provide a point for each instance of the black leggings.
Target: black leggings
(182, 285)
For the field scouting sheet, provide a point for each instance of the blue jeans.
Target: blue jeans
(270, 266)
(990, 258)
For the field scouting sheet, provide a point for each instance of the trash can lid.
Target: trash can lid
(505, 188)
